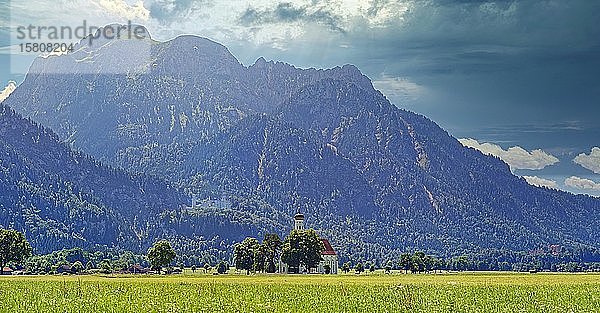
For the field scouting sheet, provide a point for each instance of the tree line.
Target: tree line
(300, 249)
(16, 251)
(419, 262)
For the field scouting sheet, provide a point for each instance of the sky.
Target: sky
(516, 79)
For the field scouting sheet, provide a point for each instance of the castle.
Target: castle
(328, 256)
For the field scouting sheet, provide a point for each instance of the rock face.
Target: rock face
(271, 139)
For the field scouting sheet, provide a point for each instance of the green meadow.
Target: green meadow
(466, 292)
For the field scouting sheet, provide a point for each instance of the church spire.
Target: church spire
(299, 221)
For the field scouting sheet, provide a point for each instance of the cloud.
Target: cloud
(122, 9)
(399, 89)
(337, 15)
(266, 23)
(541, 182)
(590, 161)
(7, 90)
(287, 12)
(174, 10)
(516, 157)
(582, 183)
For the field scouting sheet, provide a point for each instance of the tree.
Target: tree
(438, 264)
(13, 247)
(417, 264)
(105, 266)
(405, 262)
(272, 249)
(346, 267)
(260, 258)
(222, 267)
(89, 265)
(244, 254)
(388, 267)
(460, 263)
(302, 247)
(77, 266)
(372, 268)
(327, 268)
(359, 267)
(161, 254)
(428, 261)
(126, 259)
(194, 268)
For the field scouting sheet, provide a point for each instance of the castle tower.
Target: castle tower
(299, 221)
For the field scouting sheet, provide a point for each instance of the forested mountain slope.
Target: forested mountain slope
(271, 139)
(63, 199)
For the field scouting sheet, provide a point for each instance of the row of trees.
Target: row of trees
(79, 260)
(300, 249)
(418, 262)
(221, 268)
(252, 255)
(14, 248)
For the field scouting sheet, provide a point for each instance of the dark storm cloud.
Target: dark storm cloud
(450, 37)
(524, 59)
(288, 13)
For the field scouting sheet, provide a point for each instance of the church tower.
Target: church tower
(299, 221)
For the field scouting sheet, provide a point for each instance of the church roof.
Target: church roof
(328, 248)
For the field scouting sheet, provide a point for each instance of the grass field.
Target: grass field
(470, 292)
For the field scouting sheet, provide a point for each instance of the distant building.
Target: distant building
(65, 268)
(555, 249)
(328, 256)
(7, 270)
(137, 269)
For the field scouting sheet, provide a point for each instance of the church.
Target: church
(328, 256)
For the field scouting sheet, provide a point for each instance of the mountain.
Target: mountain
(62, 199)
(270, 140)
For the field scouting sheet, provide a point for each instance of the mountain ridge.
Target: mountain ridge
(272, 139)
